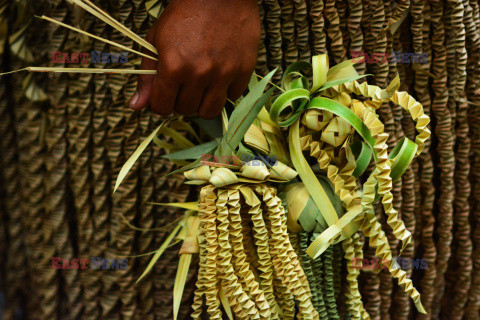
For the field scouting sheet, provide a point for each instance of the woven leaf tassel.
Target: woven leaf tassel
(313, 280)
(208, 219)
(383, 176)
(242, 305)
(200, 291)
(329, 286)
(284, 257)
(242, 267)
(266, 270)
(373, 229)
(353, 255)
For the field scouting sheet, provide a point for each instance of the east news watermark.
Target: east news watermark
(393, 57)
(92, 263)
(59, 57)
(378, 264)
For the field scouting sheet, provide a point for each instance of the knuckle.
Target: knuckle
(202, 71)
(171, 64)
(227, 71)
(174, 69)
(159, 108)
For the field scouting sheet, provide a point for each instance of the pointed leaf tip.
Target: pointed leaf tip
(134, 157)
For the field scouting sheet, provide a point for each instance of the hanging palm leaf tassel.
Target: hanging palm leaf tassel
(337, 269)
(354, 256)
(377, 239)
(313, 280)
(317, 269)
(285, 260)
(276, 293)
(321, 277)
(209, 225)
(246, 276)
(222, 239)
(328, 284)
(241, 303)
(201, 280)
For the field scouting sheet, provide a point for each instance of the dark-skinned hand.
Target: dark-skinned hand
(207, 51)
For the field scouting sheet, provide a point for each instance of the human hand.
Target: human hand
(207, 51)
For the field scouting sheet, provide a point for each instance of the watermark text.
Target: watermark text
(377, 264)
(89, 57)
(394, 57)
(92, 263)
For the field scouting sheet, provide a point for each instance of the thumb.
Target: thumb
(141, 97)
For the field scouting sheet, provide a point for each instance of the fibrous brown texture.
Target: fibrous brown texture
(14, 255)
(443, 114)
(57, 183)
(473, 304)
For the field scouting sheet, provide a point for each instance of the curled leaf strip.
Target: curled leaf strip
(384, 180)
(284, 103)
(377, 239)
(402, 155)
(363, 155)
(293, 69)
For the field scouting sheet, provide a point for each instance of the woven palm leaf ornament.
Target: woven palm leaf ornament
(340, 135)
(247, 263)
(257, 221)
(322, 122)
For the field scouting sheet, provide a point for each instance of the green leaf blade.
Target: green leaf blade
(193, 153)
(134, 157)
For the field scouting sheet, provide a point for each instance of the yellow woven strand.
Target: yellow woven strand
(377, 239)
(377, 94)
(402, 98)
(208, 220)
(200, 284)
(284, 257)
(344, 183)
(373, 229)
(242, 267)
(354, 256)
(240, 302)
(383, 167)
(248, 243)
(415, 109)
(260, 235)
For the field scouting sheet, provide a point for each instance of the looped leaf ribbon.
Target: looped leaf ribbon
(299, 97)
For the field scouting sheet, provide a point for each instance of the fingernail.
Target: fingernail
(134, 100)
